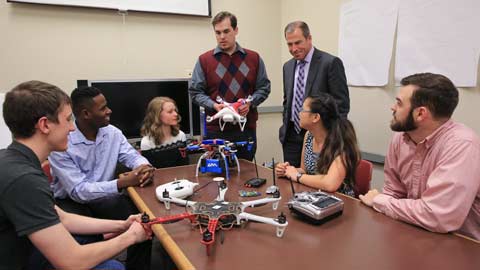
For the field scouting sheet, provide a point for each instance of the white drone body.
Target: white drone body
(177, 189)
(229, 114)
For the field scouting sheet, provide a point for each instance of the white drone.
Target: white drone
(229, 114)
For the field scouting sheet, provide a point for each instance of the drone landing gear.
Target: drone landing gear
(281, 219)
(217, 163)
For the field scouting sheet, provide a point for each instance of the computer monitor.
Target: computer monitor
(128, 100)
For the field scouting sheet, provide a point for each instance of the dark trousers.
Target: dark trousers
(118, 207)
(292, 147)
(237, 136)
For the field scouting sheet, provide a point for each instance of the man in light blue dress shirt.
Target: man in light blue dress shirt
(83, 176)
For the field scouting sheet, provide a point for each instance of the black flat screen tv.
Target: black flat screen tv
(128, 101)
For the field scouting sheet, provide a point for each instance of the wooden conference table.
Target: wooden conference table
(360, 238)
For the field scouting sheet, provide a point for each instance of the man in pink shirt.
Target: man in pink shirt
(432, 167)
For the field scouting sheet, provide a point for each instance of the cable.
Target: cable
(201, 187)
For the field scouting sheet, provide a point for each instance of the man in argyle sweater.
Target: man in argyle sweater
(231, 72)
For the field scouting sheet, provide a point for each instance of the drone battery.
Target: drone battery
(243, 193)
(255, 182)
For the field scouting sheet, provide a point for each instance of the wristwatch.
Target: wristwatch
(299, 174)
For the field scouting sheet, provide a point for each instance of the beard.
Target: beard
(407, 125)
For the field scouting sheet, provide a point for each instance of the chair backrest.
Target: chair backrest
(363, 177)
(46, 170)
(163, 158)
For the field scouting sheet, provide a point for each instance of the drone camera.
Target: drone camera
(166, 194)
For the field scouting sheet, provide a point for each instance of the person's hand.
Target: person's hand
(280, 169)
(218, 106)
(127, 179)
(145, 171)
(291, 173)
(131, 219)
(368, 198)
(244, 109)
(138, 233)
(126, 224)
(141, 176)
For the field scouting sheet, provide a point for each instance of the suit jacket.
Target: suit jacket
(326, 74)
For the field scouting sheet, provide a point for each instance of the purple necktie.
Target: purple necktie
(298, 96)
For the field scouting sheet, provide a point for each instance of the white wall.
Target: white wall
(60, 45)
(370, 106)
(5, 136)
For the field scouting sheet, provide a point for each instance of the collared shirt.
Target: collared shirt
(307, 60)
(85, 171)
(198, 89)
(434, 184)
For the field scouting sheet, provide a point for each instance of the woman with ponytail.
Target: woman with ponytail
(330, 153)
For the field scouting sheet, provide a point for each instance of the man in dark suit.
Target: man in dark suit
(308, 73)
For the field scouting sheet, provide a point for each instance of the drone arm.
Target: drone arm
(260, 201)
(219, 114)
(209, 234)
(147, 224)
(279, 225)
(173, 218)
(177, 201)
(211, 118)
(266, 220)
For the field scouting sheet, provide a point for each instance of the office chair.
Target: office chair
(163, 158)
(363, 177)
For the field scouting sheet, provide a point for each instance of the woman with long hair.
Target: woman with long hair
(330, 153)
(161, 134)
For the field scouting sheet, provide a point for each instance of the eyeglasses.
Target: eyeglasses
(306, 111)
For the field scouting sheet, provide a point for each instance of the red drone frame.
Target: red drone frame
(218, 214)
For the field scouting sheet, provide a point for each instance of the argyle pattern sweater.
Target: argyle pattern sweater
(231, 77)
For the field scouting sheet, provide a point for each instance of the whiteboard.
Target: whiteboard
(185, 7)
(5, 135)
